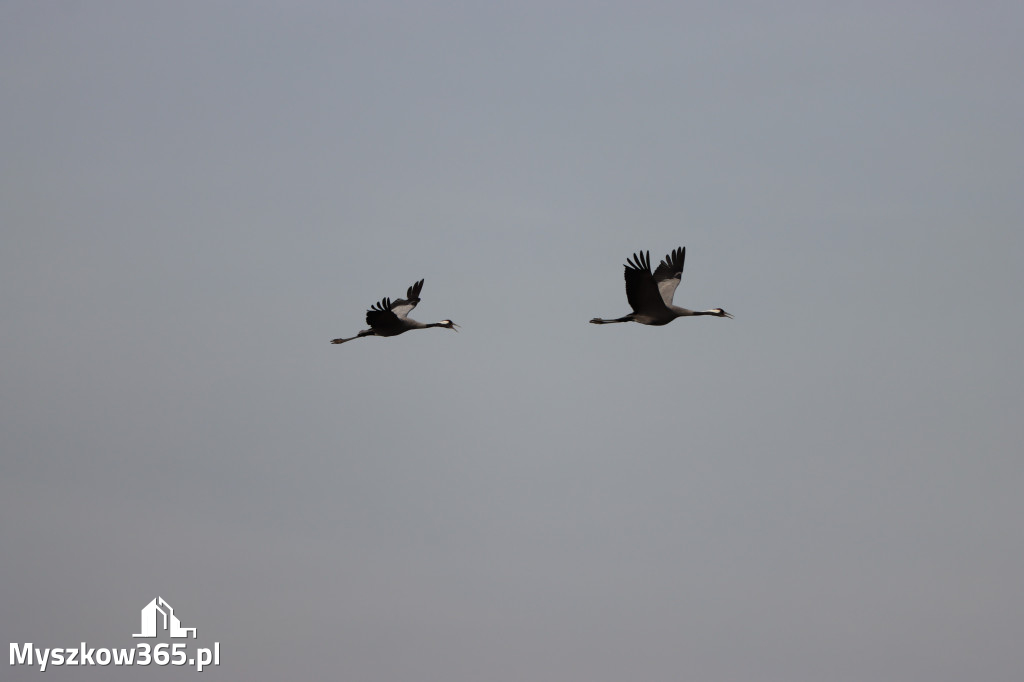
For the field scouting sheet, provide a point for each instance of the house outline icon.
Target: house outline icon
(171, 623)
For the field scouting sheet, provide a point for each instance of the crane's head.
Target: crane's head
(448, 324)
(718, 312)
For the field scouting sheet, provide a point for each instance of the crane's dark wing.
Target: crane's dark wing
(380, 317)
(389, 315)
(668, 274)
(641, 289)
(403, 306)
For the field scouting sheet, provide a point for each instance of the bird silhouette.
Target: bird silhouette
(390, 318)
(650, 295)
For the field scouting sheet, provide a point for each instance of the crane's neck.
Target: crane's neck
(684, 312)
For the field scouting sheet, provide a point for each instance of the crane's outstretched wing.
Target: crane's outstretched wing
(641, 289)
(385, 314)
(380, 316)
(403, 306)
(668, 274)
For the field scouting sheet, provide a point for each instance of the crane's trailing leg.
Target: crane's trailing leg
(598, 320)
(365, 332)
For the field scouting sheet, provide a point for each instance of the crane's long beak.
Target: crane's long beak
(455, 327)
(727, 314)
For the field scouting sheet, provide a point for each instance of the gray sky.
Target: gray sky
(196, 197)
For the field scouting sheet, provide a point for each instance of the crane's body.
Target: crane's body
(390, 318)
(650, 294)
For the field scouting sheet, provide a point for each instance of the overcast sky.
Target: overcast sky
(196, 197)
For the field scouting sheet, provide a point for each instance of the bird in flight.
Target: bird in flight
(650, 295)
(389, 318)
